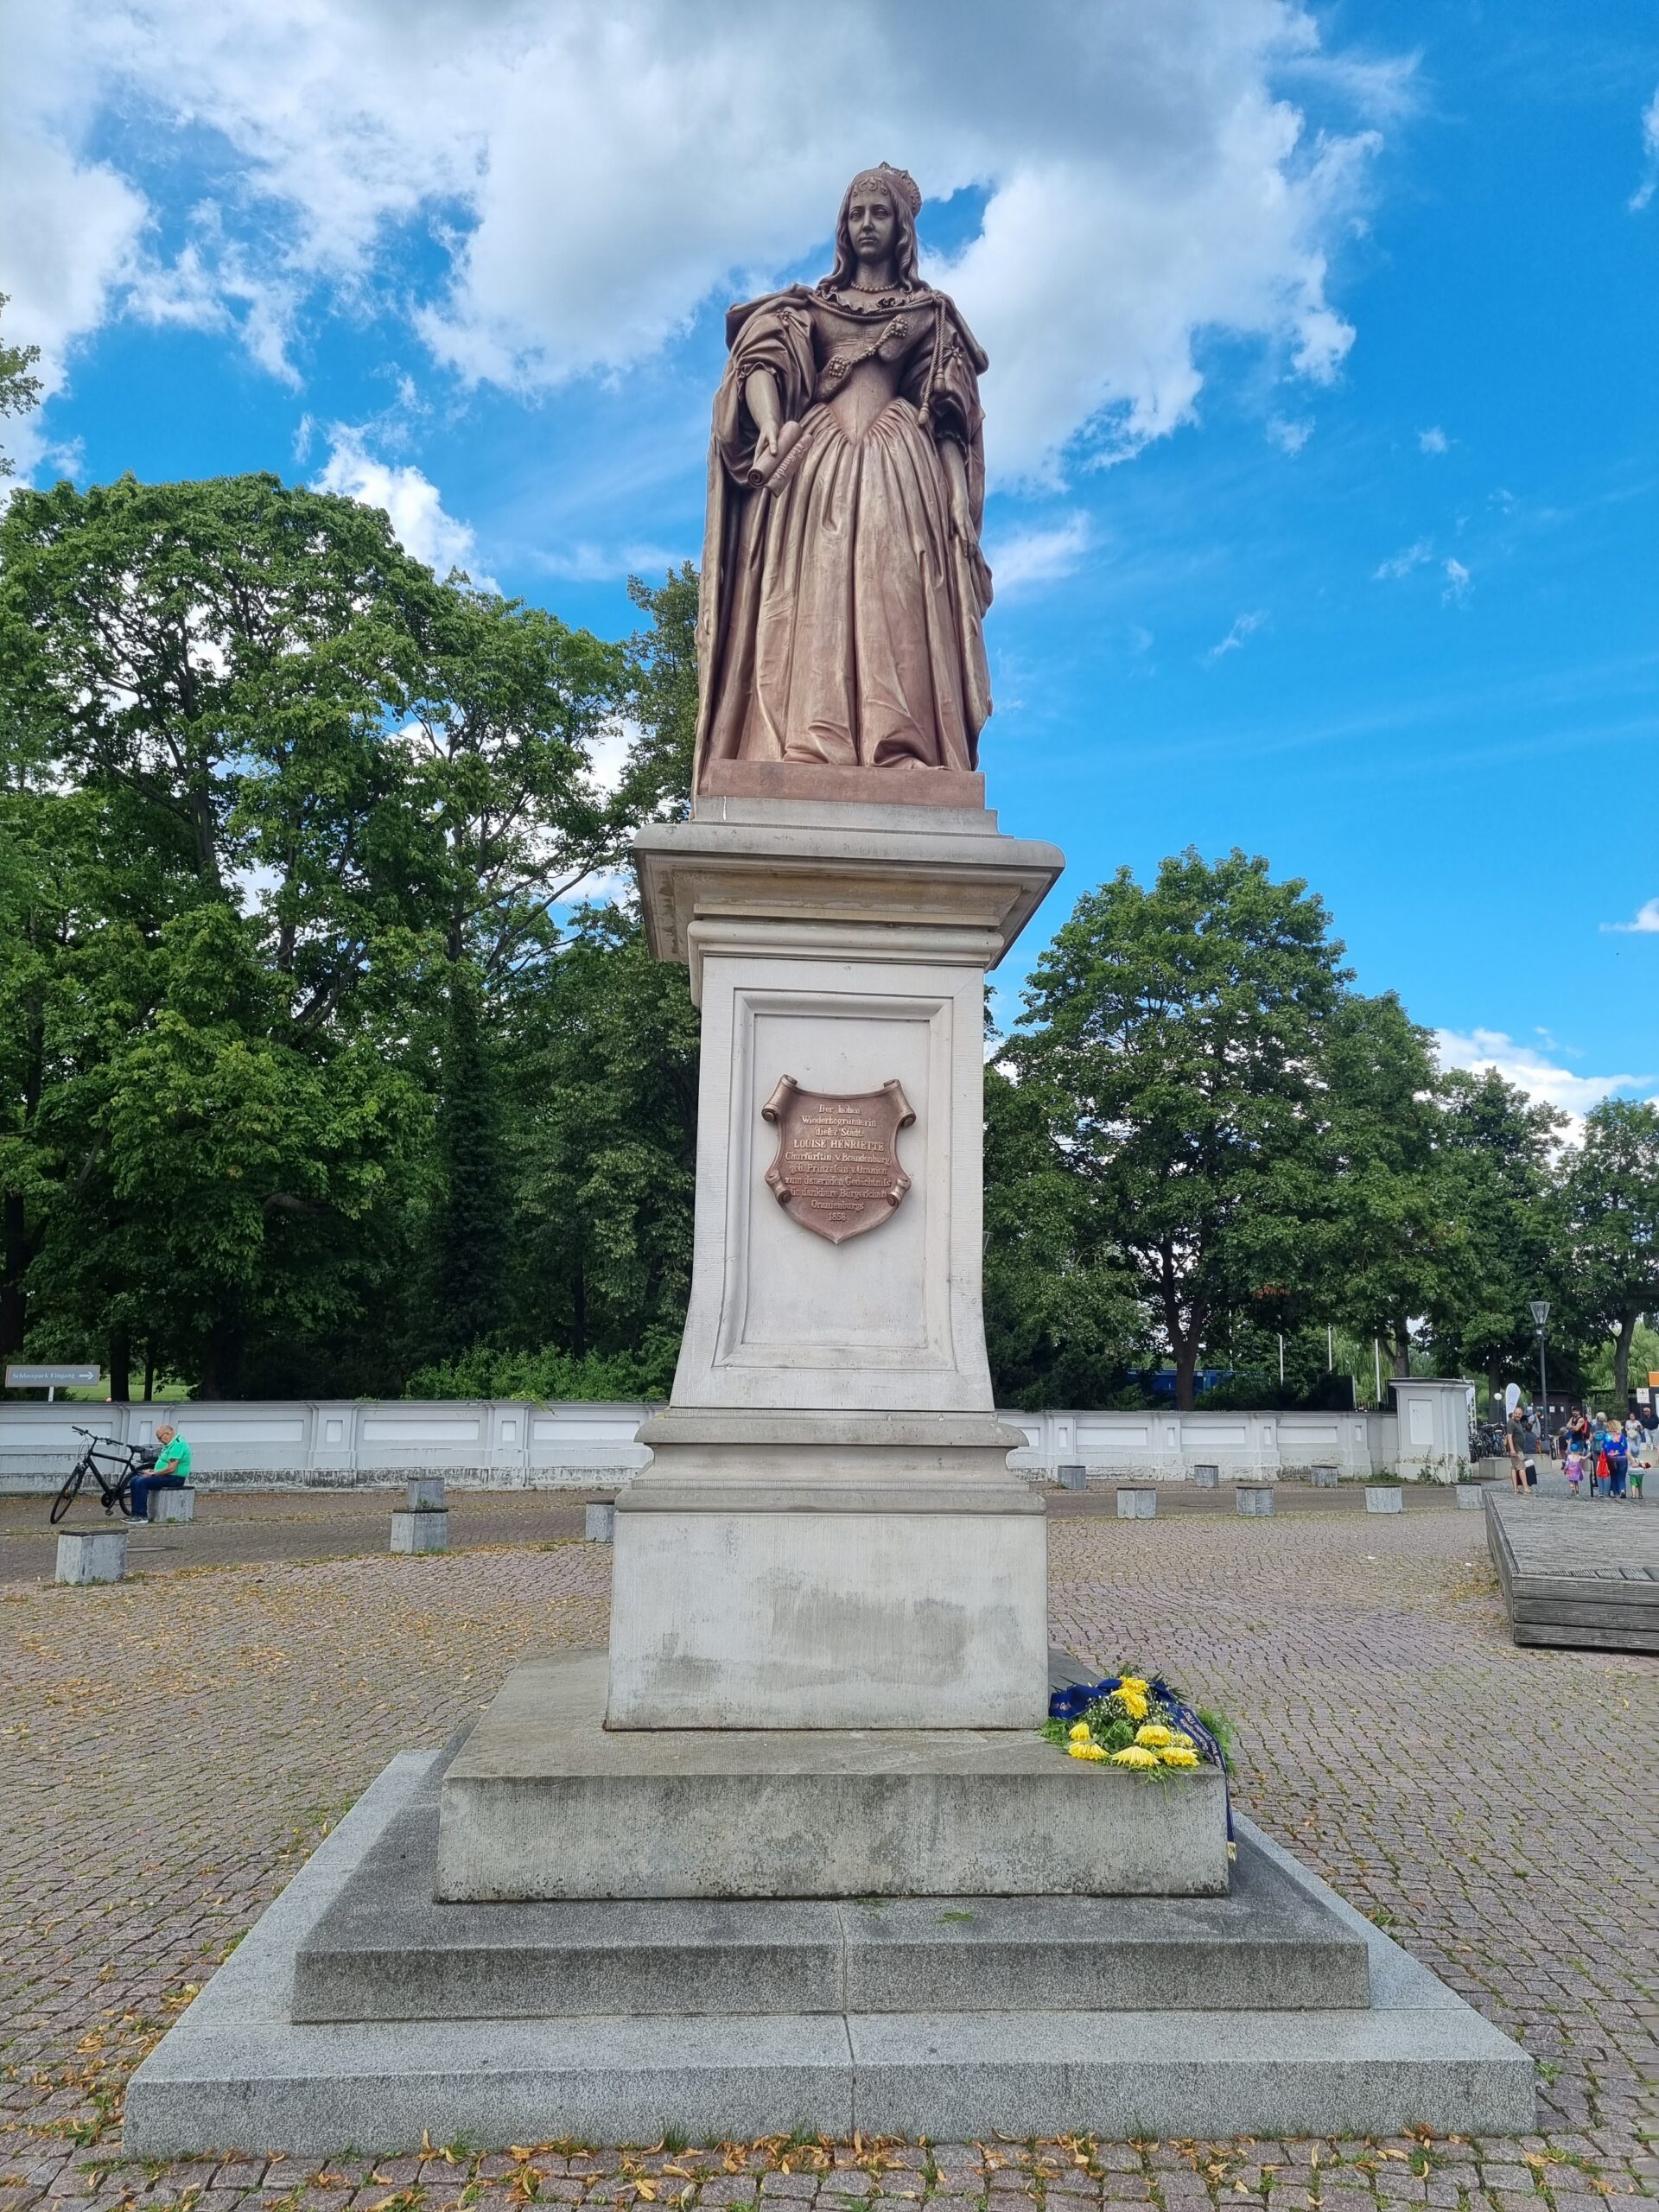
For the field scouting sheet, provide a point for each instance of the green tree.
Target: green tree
(346, 779)
(1391, 1232)
(1495, 1150)
(662, 698)
(1612, 1195)
(19, 389)
(474, 1222)
(604, 1087)
(1171, 1036)
(1063, 1318)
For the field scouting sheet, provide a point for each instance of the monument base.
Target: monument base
(1258, 2024)
(834, 1571)
(544, 1801)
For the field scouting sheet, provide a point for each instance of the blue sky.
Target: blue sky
(1322, 413)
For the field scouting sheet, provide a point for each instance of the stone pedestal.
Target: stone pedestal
(828, 1536)
(599, 1524)
(1206, 1476)
(543, 1802)
(1252, 1499)
(98, 1556)
(173, 1505)
(420, 1532)
(1136, 1502)
(1384, 1498)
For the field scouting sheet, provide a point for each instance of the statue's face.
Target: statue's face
(872, 223)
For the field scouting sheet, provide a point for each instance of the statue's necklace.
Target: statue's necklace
(861, 300)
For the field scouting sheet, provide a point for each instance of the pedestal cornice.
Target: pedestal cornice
(819, 881)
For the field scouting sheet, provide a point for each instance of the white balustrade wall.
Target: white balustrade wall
(477, 1443)
(500, 1444)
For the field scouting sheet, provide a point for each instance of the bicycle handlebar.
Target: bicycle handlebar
(110, 1443)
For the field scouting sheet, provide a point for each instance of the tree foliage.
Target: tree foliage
(1612, 1202)
(292, 830)
(19, 388)
(1170, 1040)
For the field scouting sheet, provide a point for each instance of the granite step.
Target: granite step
(237, 2068)
(384, 1950)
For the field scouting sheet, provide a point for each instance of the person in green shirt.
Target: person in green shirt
(171, 1470)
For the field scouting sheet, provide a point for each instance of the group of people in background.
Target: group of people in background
(1610, 1456)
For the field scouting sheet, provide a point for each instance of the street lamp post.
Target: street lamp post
(1541, 1315)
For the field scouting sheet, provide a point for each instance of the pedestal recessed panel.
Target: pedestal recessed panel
(890, 1317)
(884, 1296)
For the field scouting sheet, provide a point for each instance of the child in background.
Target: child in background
(1573, 1464)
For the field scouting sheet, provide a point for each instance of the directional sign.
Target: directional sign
(49, 1378)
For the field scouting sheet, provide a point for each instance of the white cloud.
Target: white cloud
(1434, 440)
(1246, 627)
(1290, 437)
(70, 226)
(1530, 1070)
(1645, 190)
(1457, 583)
(1644, 922)
(594, 173)
(1027, 558)
(1402, 565)
(412, 500)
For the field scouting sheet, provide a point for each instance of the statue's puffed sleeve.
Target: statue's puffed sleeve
(775, 335)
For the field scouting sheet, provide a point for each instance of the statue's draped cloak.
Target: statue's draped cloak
(839, 620)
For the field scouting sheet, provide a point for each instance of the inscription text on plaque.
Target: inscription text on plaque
(837, 1169)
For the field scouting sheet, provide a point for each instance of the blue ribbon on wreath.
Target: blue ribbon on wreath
(1072, 1702)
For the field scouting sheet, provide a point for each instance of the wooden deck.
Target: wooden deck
(1577, 1571)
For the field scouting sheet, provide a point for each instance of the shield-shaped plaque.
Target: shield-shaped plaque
(837, 1169)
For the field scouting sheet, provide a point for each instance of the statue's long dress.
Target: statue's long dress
(839, 620)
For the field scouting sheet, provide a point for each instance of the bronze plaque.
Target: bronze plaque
(837, 1167)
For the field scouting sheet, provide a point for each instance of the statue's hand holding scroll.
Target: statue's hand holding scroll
(760, 393)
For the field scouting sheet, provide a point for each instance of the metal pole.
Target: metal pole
(1543, 1394)
(1281, 1362)
(1330, 1349)
(1376, 1361)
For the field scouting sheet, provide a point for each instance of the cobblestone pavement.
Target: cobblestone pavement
(173, 1747)
(236, 1524)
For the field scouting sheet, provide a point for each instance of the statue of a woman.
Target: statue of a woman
(844, 587)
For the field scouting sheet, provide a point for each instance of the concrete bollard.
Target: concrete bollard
(173, 1505)
(600, 1525)
(1136, 1503)
(100, 1556)
(1324, 1478)
(1253, 1499)
(1207, 1477)
(426, 1494)
(1472, 1496)
(1384, 1497)
(1073, 1478)
(420, 1532)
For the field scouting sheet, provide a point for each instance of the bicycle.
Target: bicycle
(117, 1494)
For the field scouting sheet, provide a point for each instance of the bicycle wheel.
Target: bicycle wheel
(66, 1497)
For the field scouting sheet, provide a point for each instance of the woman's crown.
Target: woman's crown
(898, 181)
